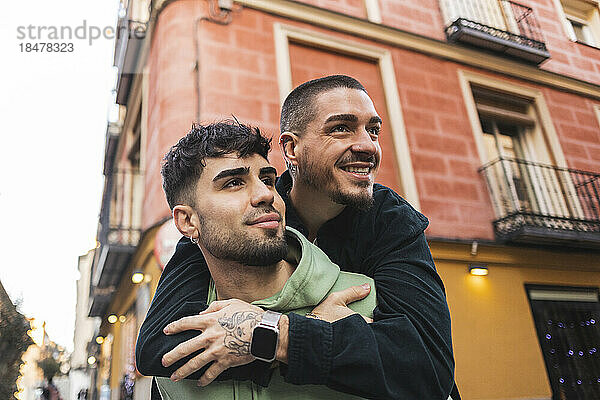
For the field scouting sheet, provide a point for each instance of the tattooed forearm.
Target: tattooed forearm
(238, 328)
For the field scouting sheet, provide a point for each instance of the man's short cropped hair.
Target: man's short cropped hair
(185, 161)
(298, 108)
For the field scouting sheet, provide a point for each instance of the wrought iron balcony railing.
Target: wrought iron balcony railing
(540, 203)
(497, 25)
(121, 236)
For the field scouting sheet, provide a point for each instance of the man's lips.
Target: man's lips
(359, 170)
(270, 221)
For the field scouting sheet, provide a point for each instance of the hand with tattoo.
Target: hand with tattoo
(226, 327)
(237, 328)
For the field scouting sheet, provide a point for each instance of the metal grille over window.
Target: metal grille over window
(567, 323)
(498, 25)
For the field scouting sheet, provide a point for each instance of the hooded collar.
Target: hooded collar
(308, 285)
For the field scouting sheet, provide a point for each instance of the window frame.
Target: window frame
(583, 12)
(547, 131)
(542, 137)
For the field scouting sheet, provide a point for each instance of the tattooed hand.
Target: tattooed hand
(226, 327)
(238, 329)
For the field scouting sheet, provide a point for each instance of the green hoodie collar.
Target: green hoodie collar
(312, 279)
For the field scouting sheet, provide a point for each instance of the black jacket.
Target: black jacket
(406, 353)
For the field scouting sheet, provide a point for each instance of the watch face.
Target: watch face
(264, 343)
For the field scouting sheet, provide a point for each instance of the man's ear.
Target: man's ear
(186, 221)
(288, 142)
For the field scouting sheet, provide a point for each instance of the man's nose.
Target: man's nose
(364, 143)
(262, 194)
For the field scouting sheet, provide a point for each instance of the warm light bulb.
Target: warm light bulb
(479, 271)
(112, 318)
(122, 319)
(99, 340)
(91, 360)
(137, 277)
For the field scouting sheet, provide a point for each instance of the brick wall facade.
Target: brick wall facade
(238, 76)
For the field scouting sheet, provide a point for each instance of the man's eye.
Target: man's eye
(340, 128)
(374, 130)
(233, 183)
(268, 181)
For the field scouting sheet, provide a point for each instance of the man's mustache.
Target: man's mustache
(359, 157)
(257, 213)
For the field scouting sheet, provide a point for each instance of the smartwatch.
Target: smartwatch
(265, 337)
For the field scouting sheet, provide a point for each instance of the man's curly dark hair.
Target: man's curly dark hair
(185, 161)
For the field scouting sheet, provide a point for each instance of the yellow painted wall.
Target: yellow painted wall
(125, 297)
(496, 348)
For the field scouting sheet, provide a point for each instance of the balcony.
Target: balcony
(130, 36)
(499, 26)
(544, 204)
(119, 234)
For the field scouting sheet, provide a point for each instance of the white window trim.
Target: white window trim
(564, 17)
(562, 295)
(373, 11)
(597, 112)
(284, 33)
(564, 20)
(466, 78)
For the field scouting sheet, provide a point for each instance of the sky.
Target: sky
(54, 109)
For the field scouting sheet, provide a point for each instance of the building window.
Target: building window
(535, 201)
(567, 323)
(536, 198)
(582, 32)
(512, 143)
(582, 20)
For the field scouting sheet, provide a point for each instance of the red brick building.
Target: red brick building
(491, 128)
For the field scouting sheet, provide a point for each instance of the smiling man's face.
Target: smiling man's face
(242, 217)
(339, 152)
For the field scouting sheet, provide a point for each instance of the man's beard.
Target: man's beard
(235, 246)
(320, 178)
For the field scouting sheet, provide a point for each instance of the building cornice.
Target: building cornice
(385, 34)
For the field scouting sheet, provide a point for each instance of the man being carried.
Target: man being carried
(330, 141)
(221, 190)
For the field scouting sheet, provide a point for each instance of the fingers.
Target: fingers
(193, 322)
(369, 320)
(197, 322)
(349, 295)
(211, 373)
(216, 306)
(183, 350)
(192, 366)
